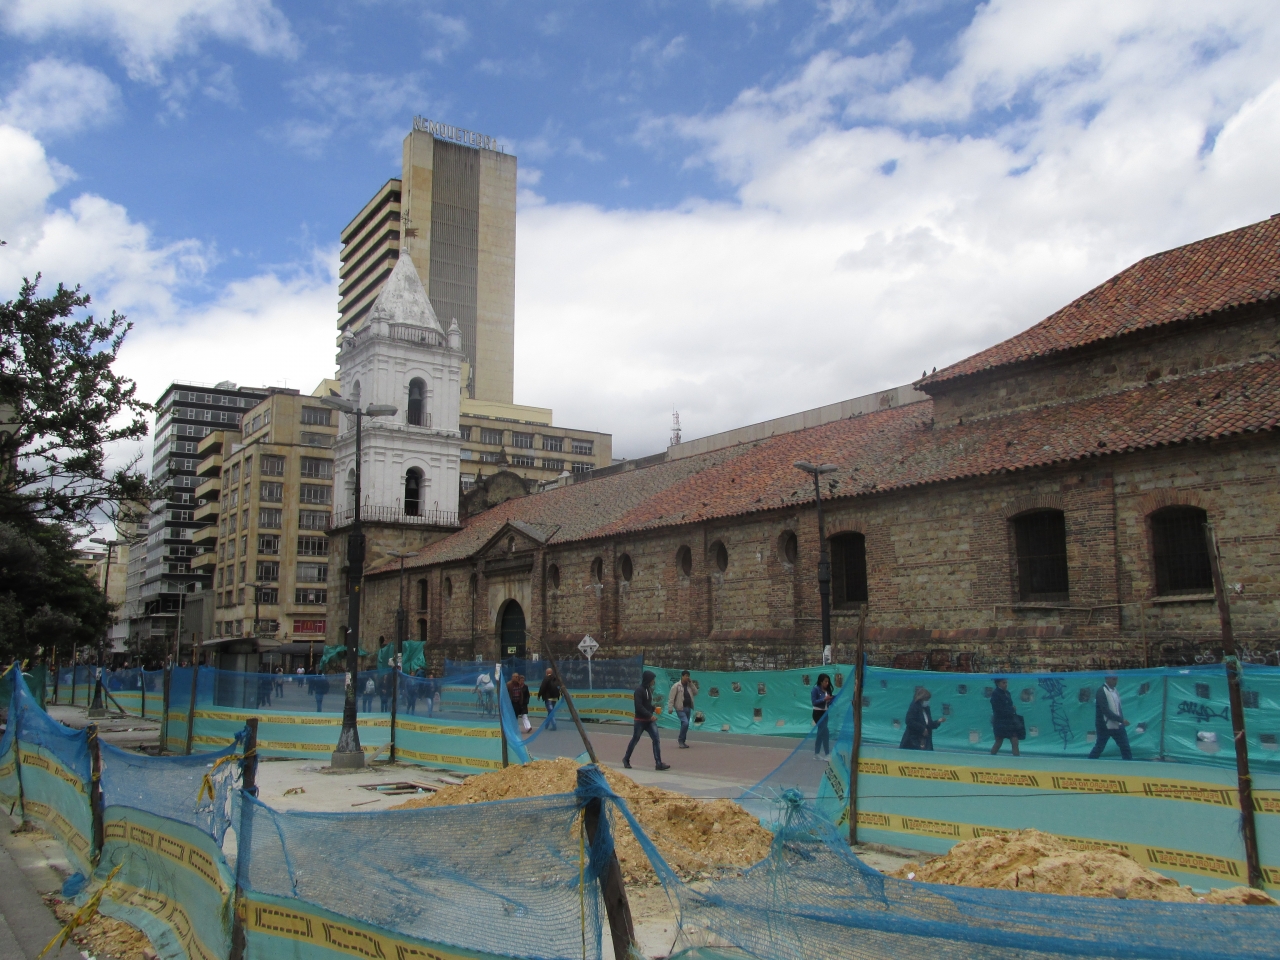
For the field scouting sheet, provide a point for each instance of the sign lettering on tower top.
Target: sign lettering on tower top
(468, 138)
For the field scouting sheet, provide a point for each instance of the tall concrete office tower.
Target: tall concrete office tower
(456, 201)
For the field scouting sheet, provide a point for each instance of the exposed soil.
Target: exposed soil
(103, 937)
(1042, 863)
(698, 838)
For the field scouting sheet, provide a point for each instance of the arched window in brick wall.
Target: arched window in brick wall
(422, 628)
(1179, 551)
(848, 570)
(422, 594)
(1040, 539)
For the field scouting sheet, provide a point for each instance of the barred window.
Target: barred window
(314, 493)
(270, 466)
(316, 439)
(583, 448)
(315, 468)
(555, 444)
(313, 572)
(583, 467)
(310, 595)
(268, 518)
(1041, 542)
(268, 570)
(490, 458)
(491, 436)
(313, 546)
(268, 543)
(552, 464)
(848, 570)
(1180, 551)
(522, 440)
(271, 492)
(268, 596)
(315, 416)
(464, 433)
(313, 519)
(518, 461)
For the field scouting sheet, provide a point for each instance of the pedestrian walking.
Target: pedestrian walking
(431, 691)
(680, 702)
(319, 687)
(518, 691)
(370, 688)
(920, 723)
(1005, 722)
(1109, 720)
(265, 685)
(279, 681)
(549, 694)
(385, 682)
(646, 722)
(820, 697)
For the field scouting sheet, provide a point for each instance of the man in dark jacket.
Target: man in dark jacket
(645, 722)
(549, 694)
(1109, 721)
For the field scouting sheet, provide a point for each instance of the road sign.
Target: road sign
(589, 647)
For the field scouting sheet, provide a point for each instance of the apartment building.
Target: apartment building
(522, 439)
(160, 572)
(267, 495)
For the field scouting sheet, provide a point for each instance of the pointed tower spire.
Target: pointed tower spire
(403, 299)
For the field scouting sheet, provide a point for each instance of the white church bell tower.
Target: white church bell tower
(403, 358)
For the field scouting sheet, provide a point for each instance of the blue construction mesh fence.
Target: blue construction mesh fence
(511, 878)
(1181, 819)
(518, 878)
(813, 899)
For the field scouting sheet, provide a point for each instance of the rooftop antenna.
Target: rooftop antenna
(675, 426)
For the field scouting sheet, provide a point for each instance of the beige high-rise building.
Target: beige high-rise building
(266, 502)
(454, 210)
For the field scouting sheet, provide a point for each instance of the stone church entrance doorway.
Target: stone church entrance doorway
(511, 630)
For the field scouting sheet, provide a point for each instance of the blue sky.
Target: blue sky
(740, 209)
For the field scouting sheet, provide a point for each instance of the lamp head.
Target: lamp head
(380, 410)
(806, 466)
(346, 406)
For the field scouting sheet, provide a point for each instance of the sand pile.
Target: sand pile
(696, 837)
(1042, 863)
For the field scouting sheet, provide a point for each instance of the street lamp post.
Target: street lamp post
(824, 557)
(402, 624)
(98, 708)
(348, 755)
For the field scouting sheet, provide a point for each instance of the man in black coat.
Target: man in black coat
(1109, 720)
(645, 722)
(549, 694)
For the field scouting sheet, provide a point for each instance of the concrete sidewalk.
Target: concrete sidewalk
(27, 870)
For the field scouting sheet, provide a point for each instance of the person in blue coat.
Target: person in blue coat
(920, 723)
(821, 696)
(1005, 722)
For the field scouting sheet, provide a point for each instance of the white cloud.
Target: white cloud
(276, 326)
(445, 34)
(55, 97)
(885, 223)
(148, 34)
(355, 101)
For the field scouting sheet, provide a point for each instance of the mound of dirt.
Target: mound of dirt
(696, 837)
(1042, 863)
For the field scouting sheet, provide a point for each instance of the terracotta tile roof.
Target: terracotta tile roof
(1218, 273)
(889, 450)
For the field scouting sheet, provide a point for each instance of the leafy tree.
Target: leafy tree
(61, 404)
(45, 599)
